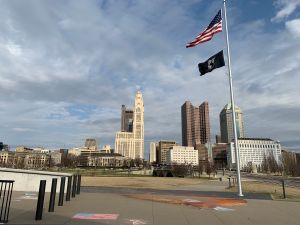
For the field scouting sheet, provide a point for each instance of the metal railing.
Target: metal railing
(73, 189)
(278, 181)
(5, 199)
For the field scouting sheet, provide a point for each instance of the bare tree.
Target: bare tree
(272, 163)
(208, 168)
(200, 168)
(179, 170)
(264, 165)
(289, 162)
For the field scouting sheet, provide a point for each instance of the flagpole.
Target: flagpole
(237, 153)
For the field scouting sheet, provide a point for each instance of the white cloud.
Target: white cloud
(293, 26)
(68, 53)
(286, 8)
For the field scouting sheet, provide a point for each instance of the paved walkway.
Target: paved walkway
(120, 209)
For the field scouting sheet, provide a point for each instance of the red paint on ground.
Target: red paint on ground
(208, 203)
(212, 203)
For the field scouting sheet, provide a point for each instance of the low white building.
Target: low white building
(182, 155)
(252, 150)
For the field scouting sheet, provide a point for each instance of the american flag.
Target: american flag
(214, 27)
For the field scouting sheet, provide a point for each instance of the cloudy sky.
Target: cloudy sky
(66, 67)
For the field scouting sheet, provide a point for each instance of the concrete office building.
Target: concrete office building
(131, 144)
(219, 155)
(182, 155)
(163, 148)
(106, 149)
(101, 159)
(55, 158)
(253, 150)
(124, 144)
(126, 119)
(91, 144)
(195, 124)
(205, 152)
(226, 123)
(218, 139)
(152, 154)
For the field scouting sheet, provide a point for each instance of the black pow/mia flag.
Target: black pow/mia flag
(212, 63)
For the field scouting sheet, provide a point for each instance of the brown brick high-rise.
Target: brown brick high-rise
(195, 124)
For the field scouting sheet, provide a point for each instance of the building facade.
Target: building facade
(124, 144)
(195, 124)
(36, 161)
(131, 144)
(219, 155)
(21, 149)
(91, 143)
(126, 119)
(152, 154)
(99, 159)
(204, 152)
(138, 126)
(182, 155)
(107, 149)
(55, 158)
(163, 148)
(253, 150)
(226, 123)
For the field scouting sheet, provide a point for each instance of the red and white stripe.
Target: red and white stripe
(206, 35)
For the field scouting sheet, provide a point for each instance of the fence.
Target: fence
(5, 199)
(73, 187)
(232, 181)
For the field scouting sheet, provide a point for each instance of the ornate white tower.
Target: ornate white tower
(138, 125)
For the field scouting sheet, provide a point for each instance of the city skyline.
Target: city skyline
(63, 79)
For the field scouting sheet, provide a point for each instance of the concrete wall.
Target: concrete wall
(29, 180)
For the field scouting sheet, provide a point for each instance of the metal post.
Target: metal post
(229, 182)
(283, 189)
(68, 195)
(52, 195)
(236, 146)
(78, 184)
(6, 204)
(40, 202)
(3, 199)
(10, 194)
(61, 191)
(74, 186)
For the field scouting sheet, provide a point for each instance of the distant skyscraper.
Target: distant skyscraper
(138, 125)
(126, 119)
(195, 124)
(226, 123)
(129, 141)
(152, 154)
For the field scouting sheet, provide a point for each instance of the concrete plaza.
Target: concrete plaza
(126, 206)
